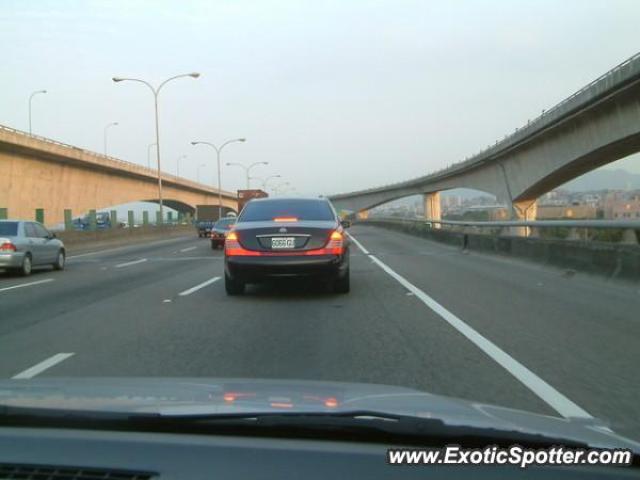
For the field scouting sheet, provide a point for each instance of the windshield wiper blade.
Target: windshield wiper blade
(361, 425)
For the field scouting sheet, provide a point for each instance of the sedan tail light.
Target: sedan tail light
(232, 247)
(6, 246)
(334, 246)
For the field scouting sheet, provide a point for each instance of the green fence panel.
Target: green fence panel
(131, 219)
(113, 218)
(145, 218)
(68, 219)
(93, 223)
(40, 215)
(4, 213)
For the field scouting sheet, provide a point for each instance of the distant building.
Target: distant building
(622, 205)
(626, 208)
(578, 212)
(555, 197)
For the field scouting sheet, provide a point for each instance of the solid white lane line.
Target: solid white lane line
(188, 249)
(42, 366)
(39, 282)
(198, 287)
(537, 385)
(135, 262)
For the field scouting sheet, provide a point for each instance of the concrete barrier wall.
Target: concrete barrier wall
(609, 259)
(77, 241)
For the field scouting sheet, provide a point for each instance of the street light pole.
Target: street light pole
(247, 170)
(266, 180)
(156, 92)
(30, 99)
(149, 154)
(218, 151)
(112, 124)
(279, 187)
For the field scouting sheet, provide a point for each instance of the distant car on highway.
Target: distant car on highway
(27, 244)
(204, 227)
(219, 231)
(287, 237)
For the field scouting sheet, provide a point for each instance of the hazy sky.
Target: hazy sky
(337, 95)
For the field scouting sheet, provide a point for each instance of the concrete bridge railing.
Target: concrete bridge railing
(572, 229)
(575, 252)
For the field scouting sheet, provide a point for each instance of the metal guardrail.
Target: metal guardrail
(521, 132)
(621, 224)
(130, 165)
(529, 227)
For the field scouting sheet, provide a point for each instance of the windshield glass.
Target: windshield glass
(425, 208)
(8, 228)
(260, 211)
(225, 222)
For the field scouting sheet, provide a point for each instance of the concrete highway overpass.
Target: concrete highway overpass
(36, 172)
(597, 125)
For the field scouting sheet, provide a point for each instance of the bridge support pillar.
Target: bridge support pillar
(525, 210)
(363, 214)
(432, 209)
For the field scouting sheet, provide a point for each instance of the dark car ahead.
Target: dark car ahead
(219, 231)
(287, 237)
(204, 227)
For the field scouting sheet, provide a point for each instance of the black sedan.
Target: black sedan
(280, 237)
(219, 231)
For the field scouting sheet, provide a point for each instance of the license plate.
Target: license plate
(283, 242)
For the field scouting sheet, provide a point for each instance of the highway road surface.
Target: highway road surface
(420, 314)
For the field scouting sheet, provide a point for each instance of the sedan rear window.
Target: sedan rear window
(224, 222)
(266, 210)
(9, 228)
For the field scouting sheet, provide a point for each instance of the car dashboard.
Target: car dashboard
(90, 454)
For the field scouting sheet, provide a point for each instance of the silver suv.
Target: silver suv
(26, 244)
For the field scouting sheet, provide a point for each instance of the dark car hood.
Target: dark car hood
(194, 396)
